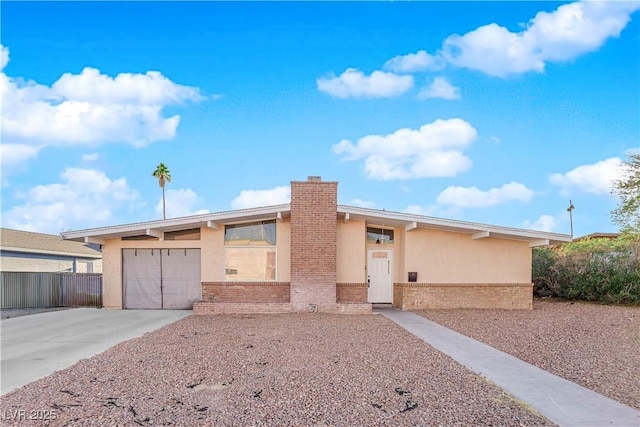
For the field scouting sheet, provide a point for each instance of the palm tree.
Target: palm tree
(163, 175)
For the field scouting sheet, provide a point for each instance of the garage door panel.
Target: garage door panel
(181, 278)
(141, 278)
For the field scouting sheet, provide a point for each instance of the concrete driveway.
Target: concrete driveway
(38, 345)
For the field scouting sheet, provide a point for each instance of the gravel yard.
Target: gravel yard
(271, 370)
(596, 346)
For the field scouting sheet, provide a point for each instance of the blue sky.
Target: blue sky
(496, 112)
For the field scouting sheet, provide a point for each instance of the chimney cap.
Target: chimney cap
(312, 178)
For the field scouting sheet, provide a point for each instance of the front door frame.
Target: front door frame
(380, 276)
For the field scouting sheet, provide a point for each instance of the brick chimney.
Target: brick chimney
(314, 205)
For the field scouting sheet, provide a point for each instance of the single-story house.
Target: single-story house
(37, 252)
(314, 255)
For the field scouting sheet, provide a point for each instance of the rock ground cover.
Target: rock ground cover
(594, 345)
(310, 369)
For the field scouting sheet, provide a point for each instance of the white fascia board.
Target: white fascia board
(154, 233)
(539, 242)
(181, 223)
(455, 225)
(94, 240)
(481, 235)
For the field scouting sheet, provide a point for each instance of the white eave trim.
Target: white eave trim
(539, 242)
(480, 235)
(154, 233)
(453, 225)
(181, 223)
(94, 240)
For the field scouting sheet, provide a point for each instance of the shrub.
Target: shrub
(604, 270)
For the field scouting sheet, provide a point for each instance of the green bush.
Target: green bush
(604, 270)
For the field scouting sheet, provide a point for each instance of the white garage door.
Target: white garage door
(161, 278)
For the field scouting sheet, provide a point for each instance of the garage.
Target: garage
(161, 278)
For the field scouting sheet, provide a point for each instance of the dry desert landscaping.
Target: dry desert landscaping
(343, 370)
(594, 345)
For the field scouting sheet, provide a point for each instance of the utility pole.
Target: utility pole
(570, 210)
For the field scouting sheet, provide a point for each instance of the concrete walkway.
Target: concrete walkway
(561, 401)
(38, 345)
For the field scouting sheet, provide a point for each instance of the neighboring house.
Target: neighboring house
(314, 255)
(37, 252)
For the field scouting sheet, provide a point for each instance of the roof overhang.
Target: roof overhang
(159, 227)
(407, 221)
(97, 255)
(475, 230)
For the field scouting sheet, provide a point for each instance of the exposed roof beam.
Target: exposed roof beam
(212, 225)
(346, 217)
(411, 226)
(154, 233)
(539, 242)
(94, 240)
(480, 235)
(279, 216)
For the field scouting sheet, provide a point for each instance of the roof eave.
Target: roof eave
(534, 237)
(97, 255)
(96, 235)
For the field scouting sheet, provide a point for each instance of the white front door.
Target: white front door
(380, 275)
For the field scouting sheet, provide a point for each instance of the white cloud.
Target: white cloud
(354, 84)
(84, 198)
(179, 203)
(63, 115)
(4, 57)
(543, 223)
(472, 197)
(89, 108)
(562, 35)
(433, 150)
(413, 62)
(14, 154)
(258, 198)
(440, 88)
(151, 88)
(596, 178)
(90, 157)
(362, 203)
(494, 50)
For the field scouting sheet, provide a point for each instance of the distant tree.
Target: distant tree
(627, 214)
(163, 175)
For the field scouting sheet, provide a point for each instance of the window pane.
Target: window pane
(191, 234)
(379, 235)
(261, 233)
(250, 264)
